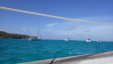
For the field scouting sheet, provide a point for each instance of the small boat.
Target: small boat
(33, 38)
(66, 40)
(99, 41)
(67, 37)
(29, 39)
(88, 40)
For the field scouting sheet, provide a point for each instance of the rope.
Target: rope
(51, 16)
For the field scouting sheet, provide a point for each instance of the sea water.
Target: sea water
(14, 51)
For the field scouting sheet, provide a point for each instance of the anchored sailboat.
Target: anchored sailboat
(32, 38)
(99, 41)
(67, 37)
(66, 40)
(88, 40)
(35, 37)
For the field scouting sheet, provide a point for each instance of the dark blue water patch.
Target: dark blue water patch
(14, 51)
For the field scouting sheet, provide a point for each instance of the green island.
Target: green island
(6, 35)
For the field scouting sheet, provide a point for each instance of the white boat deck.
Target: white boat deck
(101, 58)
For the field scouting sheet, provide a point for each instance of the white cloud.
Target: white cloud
(52, 24)
(80, 31)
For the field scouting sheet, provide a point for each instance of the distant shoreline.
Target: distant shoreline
(6, 35)
(54, 40)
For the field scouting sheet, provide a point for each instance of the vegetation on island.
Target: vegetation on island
(5, 35)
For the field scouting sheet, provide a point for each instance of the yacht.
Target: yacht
(33, 38)
(88, 40)
(66, 40)
(99, 41)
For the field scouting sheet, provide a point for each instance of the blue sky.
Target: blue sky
(49, 28)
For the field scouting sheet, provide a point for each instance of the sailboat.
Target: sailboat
(33, 38)
(66, 39)
(88, 40)
(99, 41)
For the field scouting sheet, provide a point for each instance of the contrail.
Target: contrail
(50, 16)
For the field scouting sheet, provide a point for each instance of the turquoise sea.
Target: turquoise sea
(14, 51)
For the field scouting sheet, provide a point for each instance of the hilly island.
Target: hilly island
(5, 35)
